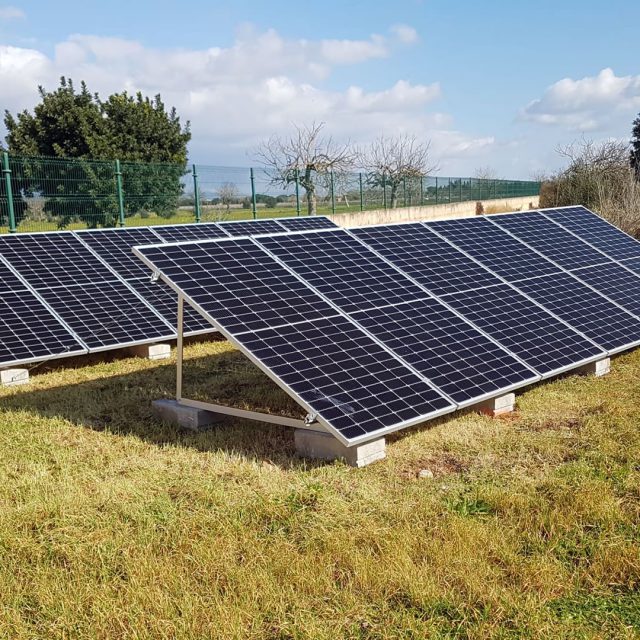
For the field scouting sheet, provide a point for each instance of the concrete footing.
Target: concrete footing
(324, 446)
(14, 377)
(597, 368)
(497, 406)
(160, 351)
(171, 412)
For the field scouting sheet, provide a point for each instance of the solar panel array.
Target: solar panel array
(454, 311)
(85, 290)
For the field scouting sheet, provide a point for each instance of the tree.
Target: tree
(391, 161)
(486, 173)
(635, 147)
(227, 194)
(77, 124)
(304, 156)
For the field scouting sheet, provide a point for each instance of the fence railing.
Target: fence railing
(39, 193)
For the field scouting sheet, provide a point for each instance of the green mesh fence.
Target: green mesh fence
(41, 194)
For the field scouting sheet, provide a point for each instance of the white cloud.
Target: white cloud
(404, 33)
(237, 95)
(586, 104)
(11, 13)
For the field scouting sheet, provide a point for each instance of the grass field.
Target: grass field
(115, 526)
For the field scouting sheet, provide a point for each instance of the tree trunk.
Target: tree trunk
(394, 195)
(312, 208)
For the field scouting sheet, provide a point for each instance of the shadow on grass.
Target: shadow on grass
(121, 404)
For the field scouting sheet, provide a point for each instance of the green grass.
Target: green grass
(115, 526)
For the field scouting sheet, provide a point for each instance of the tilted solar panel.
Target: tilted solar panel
(304, 223)
(187, 232)
(427, 258)
(494, 248)
(614, 281)
(598, 232)
(326, 362)
(29, 332)
(585, 309)
(251, 227)
(343, 269)
(532, 333)
(455, 356)
(551, 240)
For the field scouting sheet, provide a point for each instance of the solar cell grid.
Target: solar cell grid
(9, 281)
(426, 257)
(251, 227)
(542, 341)
(494, 248)
(343, 375)
(188, 232)
(585, 309)
(344, 270)
(633, 264)
(616, 282)
(30, 332)
(164, 300)
(550, 239)
(114, 247)
(307, 222)
(456, 357)
(53, 260)
(593, 229)
(106, 314)
(237, 283)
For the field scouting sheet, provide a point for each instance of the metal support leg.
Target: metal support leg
(179, 347)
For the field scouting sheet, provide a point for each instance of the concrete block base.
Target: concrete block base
(185, 417)
(160, 351)
(597, 368)
(324, 446)
(497, 406)
(14, 377)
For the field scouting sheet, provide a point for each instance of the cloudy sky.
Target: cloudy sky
(496, 84)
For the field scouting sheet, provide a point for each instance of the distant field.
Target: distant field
(115, 526)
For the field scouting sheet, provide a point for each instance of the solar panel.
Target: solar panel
(545, 343)
(304, 223)
(251, 227)
(551, 240)
(29, 332)
(343, 269)
(52, 259)
(114, 247)
(494, 248)
(633, 264)
(106, 314)
(585, 309)
(456, 357)
(427, 258)
(164, 300)
(345, 377)
(237, 283)
(593, 229)
(327, 363)
(82, 290)
(187, 232)
(616, 282)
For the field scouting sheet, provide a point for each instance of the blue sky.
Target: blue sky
(497, 84)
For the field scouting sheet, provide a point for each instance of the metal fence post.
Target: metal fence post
(297, 176)
(253, 194)
(6, 170)
(404, 192)
(333, 193)
(460, 189)
(361, 193)
(421, 190)
(436, 189)
(449, 180)
(196, 195)
(120, 194)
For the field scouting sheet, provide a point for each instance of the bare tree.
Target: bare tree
(390, 161)
(486, 173)
(227, 193)
(304, 156)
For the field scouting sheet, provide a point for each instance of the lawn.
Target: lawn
(115, 526)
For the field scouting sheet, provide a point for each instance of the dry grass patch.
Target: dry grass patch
(115, 526)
